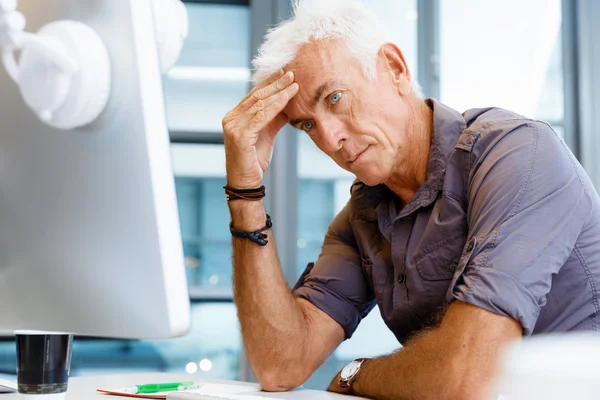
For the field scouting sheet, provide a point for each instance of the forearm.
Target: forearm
(271, 320)
(457, 360)
(421, 370)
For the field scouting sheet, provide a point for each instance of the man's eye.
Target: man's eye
(336, 97)
(308, 125)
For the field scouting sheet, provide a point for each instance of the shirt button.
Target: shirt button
(402, 278)
(470, 246)
(453, 267)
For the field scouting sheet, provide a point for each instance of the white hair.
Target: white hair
(348, 20)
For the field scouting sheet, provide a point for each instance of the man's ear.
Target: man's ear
(396, 67)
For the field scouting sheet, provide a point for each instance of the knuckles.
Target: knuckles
(227, 125)
(229, 122)
(260, 104)
(257, 95)
(230, 129)
(261, 115)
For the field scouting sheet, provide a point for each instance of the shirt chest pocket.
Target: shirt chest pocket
(439, 262)
(434, 268)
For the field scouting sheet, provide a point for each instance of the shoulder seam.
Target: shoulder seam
(476, 133)
(531, 166)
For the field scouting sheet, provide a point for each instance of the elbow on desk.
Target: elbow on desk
(280, 379)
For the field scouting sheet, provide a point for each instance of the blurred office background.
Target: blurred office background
(535, 57)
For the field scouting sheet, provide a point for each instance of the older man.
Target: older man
(469, 231)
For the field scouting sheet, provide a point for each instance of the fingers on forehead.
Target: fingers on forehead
(273, 77)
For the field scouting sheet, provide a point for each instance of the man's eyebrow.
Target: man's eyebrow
(316, 98)
(296, 122)
(321, 90)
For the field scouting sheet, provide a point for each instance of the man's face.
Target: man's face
(362, 125)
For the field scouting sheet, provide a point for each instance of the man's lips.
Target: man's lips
(355, 158)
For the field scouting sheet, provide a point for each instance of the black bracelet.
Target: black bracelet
(253, 194)
(257, 236)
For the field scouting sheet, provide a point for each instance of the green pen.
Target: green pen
(162, 387)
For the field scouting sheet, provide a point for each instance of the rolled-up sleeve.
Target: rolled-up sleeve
(336, 283)
(527, 207)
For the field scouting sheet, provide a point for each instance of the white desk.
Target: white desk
(84, 388)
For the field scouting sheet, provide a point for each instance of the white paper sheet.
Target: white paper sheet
(212, 391)
(207, 391)
(7, 386)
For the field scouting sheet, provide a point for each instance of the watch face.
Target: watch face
(350, 370)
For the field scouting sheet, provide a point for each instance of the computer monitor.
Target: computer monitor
(90, 241)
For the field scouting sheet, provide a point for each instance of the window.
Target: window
(204, 217)
(212, 74)
(212, 349)
(506, 54)
(209, 79)
(324, 189)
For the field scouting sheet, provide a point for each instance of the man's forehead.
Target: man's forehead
(319, 55)
(306, 66)
(317, 66)
(323, 60)
(315, 50)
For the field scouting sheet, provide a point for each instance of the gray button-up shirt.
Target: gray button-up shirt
(506, 220)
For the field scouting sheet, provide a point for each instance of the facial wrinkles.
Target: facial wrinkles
(405, 172)
(352, 124)
(363, 120)
(304, 68)
(356, 116)
(355, 119)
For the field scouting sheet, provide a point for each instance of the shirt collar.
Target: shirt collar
(447, 126)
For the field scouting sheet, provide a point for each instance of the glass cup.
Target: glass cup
(43, 362)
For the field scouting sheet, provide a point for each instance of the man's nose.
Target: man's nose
(334, 134)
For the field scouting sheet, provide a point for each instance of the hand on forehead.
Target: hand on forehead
(318, 67)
